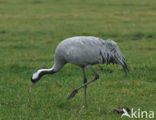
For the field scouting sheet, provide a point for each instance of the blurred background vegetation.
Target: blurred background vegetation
(29, 33)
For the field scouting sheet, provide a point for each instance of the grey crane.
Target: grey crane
(83, 51)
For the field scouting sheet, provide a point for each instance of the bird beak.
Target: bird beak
(30, 90)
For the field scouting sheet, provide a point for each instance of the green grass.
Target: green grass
(29, 33)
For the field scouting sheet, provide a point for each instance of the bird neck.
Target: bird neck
(42, 72)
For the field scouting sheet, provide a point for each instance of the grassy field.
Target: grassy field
(29, 33)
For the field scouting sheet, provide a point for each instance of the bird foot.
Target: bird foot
(84, 106)
(72, 94)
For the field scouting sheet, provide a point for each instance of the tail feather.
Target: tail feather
(112, 54)
(121, 61)
(125, 67)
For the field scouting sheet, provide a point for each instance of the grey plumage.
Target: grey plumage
(87, 50)
(83, 51)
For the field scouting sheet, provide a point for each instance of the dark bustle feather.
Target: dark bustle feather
(125, 67)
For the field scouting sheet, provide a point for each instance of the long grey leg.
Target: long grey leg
(85, 87)
(95, 78)
(85, 84)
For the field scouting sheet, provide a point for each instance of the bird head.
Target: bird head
(34, 78)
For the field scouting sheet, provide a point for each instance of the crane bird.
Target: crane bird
(83, 51)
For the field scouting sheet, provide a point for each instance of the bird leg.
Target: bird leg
(76, 90)
(85, 87)
(85, 84)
